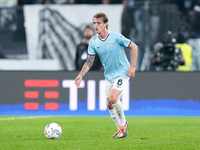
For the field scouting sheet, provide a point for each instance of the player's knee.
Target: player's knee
(112, 99)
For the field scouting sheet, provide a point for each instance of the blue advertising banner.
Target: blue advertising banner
(54, 93)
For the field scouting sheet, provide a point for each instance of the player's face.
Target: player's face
(99, 25)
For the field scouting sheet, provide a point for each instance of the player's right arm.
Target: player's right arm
(86, 67)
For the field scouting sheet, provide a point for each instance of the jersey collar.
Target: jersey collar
(106, 37)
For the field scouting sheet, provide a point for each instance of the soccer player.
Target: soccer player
(109, 46)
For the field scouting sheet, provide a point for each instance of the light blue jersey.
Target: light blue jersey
(111, 53)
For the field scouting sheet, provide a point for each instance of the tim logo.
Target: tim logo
(34, 95)
(42, 89)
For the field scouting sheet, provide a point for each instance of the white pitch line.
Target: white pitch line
(23, 118)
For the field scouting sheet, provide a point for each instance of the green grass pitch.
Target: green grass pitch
(93, 133)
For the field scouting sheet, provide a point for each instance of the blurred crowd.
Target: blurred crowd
(185, 39)
(29, 2)
(171, 32)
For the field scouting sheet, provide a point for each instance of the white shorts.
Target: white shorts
(118, 84)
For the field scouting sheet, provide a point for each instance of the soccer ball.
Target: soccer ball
(52, 131)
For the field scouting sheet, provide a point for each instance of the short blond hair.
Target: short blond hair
(103, 16)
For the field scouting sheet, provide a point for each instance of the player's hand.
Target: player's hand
(78, 80)
(131, 72)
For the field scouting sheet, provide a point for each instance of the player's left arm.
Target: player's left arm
(134, 50)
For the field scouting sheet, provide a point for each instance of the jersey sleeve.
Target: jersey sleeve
(91, 50)
(123, 41)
